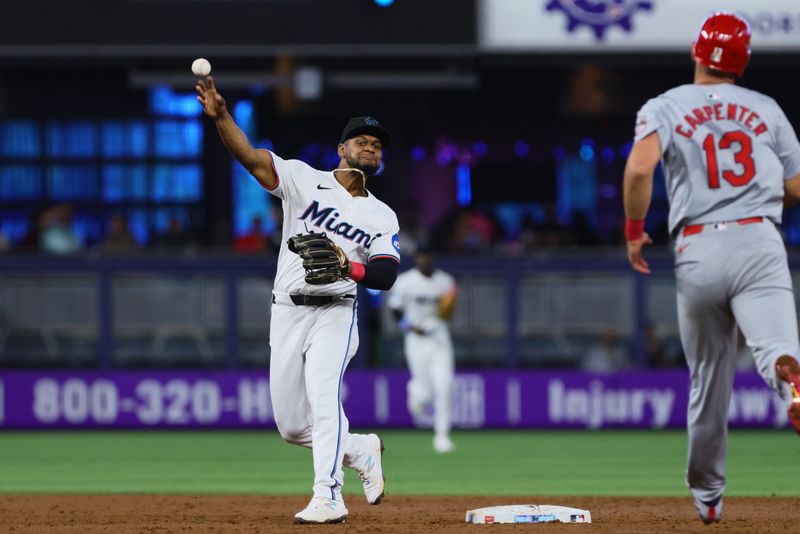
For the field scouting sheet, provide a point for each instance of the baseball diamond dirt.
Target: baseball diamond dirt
(266, 514)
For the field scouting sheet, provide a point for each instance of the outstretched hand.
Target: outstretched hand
(213, 104)
(635, 254)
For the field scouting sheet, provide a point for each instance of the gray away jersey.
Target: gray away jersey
(726, 151)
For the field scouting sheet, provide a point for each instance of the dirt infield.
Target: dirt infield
(268, 514)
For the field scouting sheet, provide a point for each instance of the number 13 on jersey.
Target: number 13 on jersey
(743, 156)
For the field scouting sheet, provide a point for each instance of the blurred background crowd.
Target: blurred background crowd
(129, 238)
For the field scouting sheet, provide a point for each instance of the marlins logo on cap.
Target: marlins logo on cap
(366, 125)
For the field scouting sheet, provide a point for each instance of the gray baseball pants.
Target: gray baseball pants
(729, 274)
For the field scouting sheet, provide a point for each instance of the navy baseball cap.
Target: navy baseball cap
(366, 125)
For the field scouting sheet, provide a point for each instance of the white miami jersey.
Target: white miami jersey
(418, 297)
(364, 227)
(726, 151)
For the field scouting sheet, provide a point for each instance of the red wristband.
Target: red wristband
(633, 229)
(357, 271)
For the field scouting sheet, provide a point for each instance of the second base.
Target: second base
(528, 513)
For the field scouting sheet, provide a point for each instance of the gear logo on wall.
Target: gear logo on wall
(599, 15)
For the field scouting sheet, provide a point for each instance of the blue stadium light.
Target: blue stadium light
(330, 158)
(445, 154)
(521, 149)
(608, 191)
(311, 153)
(384, 3)
(243, 111)
(164, 101)
(375, 297)
(625, 150)
(480, 149)
(586, 153)
(139, 225)
(607, 154)
(14, 226)
(418, 153)
(315, 150)
(249, 198)
(20, 139)
(258, 89)
(463, 185)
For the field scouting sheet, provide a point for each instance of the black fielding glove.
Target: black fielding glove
(323, 260)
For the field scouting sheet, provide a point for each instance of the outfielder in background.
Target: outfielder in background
(313, 332)
(731, 159)
(423, 299)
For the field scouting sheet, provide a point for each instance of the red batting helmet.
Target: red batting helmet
(723, 43)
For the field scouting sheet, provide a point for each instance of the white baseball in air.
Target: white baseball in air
(201, 67)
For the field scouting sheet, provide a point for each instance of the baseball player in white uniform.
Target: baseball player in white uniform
(731, 160)
(423, 300)
(313, 332)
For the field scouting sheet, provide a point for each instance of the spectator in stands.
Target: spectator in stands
(583, 231)
(56, 235)
(30, 241)
(221, 236)
(551, 233)
(5, 244)
(275, 237)
(524, 241)
(119, 238)
(607, 357)
(655, 350)
(410, 236)
(175, 239)
(255, 240)
(473, 232)
(442, 231)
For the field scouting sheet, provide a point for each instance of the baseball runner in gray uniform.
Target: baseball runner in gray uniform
(731, 161)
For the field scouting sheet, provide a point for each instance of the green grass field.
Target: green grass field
(485, 463)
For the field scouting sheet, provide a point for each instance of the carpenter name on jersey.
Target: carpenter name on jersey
(719, 111)
(313, 200)
(726, 152)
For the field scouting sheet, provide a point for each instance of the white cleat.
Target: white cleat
(322, 510)
(443, 444)
(370, 469)
(416, 409)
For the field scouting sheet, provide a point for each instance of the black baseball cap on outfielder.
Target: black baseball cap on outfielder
(366, 125)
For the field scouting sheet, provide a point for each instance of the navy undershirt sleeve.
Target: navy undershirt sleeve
(380, 274)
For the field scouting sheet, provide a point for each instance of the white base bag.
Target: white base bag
(528, 513)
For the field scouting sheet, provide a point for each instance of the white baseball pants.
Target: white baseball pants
(310, 349)
(431, 365)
